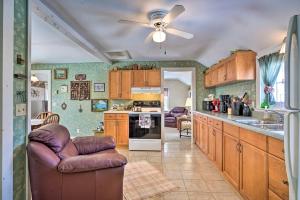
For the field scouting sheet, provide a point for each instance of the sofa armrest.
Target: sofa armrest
(92, 144)
(92, 162)
(169, 114)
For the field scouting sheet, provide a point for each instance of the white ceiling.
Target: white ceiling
(218, 28)
(185, 77)
(50, 46)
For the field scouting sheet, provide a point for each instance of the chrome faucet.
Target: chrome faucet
(280, 116)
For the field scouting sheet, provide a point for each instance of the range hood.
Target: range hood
(139, 90)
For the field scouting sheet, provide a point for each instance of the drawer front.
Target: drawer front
(278, 178)
(217, 124)
(256, 139)
(117, 116)
(210, 121)
(204, 119)
(276, 147)
(231, 130)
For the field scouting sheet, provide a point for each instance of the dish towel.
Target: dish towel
(144, 120)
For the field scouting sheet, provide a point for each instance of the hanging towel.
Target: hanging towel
(144, 120)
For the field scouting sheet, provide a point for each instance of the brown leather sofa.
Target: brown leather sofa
(171, 116)
(87, 168)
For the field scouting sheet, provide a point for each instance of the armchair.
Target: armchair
(61, 169)
(171, 116)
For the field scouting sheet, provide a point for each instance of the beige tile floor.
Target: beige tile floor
(183, 163)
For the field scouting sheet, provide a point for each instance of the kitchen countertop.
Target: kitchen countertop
(128, 112)
(230, 120)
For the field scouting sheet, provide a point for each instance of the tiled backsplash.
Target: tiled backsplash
(238, 89)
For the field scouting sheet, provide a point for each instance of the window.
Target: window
(278, 89)
(166, 99)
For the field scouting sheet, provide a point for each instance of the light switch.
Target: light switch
(21, 109)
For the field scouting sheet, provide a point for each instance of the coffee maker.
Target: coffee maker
(224, 102)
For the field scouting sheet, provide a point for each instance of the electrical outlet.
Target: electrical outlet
(78, 130)
(21, 109)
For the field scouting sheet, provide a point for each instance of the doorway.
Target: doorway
(40, 92)
(178, 101)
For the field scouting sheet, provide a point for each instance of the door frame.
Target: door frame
(193, 94)
(6, 98)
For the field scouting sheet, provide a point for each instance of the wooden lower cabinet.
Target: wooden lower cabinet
(231, 159)
(219, 149)
(204, 137)
(211, 143)
(273, 196)
(117, 126)
(253, 172)
(278, 181)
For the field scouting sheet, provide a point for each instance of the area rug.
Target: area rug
(142, 181)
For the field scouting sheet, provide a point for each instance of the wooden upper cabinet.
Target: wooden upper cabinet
(120, 83)
(153, 78)
(253, 172)
(240, 66)
(114, 84)
(208, 79)
(126, 83)
(139, 77)
(146, 78)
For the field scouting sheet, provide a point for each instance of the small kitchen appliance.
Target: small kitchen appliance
(216, 104)
(224, 102)
(207, 105)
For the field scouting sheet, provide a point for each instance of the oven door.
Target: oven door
(136, 132)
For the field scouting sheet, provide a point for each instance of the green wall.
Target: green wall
(86, 121)
(20, 127)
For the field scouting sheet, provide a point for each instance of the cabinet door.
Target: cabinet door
(110, 128)
(273, 196)
(199, 133)
(123, 132)
(139, 78)
(231, 70)
(231, 159)
(208, 79)
(211, 143)
(126, 82)
(153, 78)
(195, 127)
(253, 172)
(219, 149)
(222, 74)
(278, 181)
(214, 78)
(114, 85)
(204, 139)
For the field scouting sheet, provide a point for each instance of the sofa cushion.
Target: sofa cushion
(69, 151)
(54, 136)
(92, 144)
(84, 163)
(178, 110)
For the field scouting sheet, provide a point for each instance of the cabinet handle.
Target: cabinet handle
(282, 150)
(224, 77)
(285, 182)
(240, 148)
(237, 147)
(214, 132)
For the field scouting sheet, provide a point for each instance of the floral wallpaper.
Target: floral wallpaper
(20, 127)
(86, 121)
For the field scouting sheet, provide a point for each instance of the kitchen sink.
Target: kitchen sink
(264, 124)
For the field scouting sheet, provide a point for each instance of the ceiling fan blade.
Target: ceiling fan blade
(123, 21)
(148, 39)
(174, 12)
(179, 33)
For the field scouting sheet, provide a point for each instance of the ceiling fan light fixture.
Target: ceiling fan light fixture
(159, 36)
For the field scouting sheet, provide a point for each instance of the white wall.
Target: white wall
(178, 92)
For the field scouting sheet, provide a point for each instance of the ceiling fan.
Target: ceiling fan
(160, 21)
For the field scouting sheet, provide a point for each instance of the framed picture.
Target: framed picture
(99, 87)
(61, 74)
(80, 90)
(99, 105)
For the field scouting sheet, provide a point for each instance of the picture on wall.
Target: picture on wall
(61, 74)
(80, 90)
(99, 105)
(99, 87)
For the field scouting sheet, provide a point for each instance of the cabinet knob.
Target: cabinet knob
(282, 150)
(285, 182)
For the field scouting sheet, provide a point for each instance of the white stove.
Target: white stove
(145, 138)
